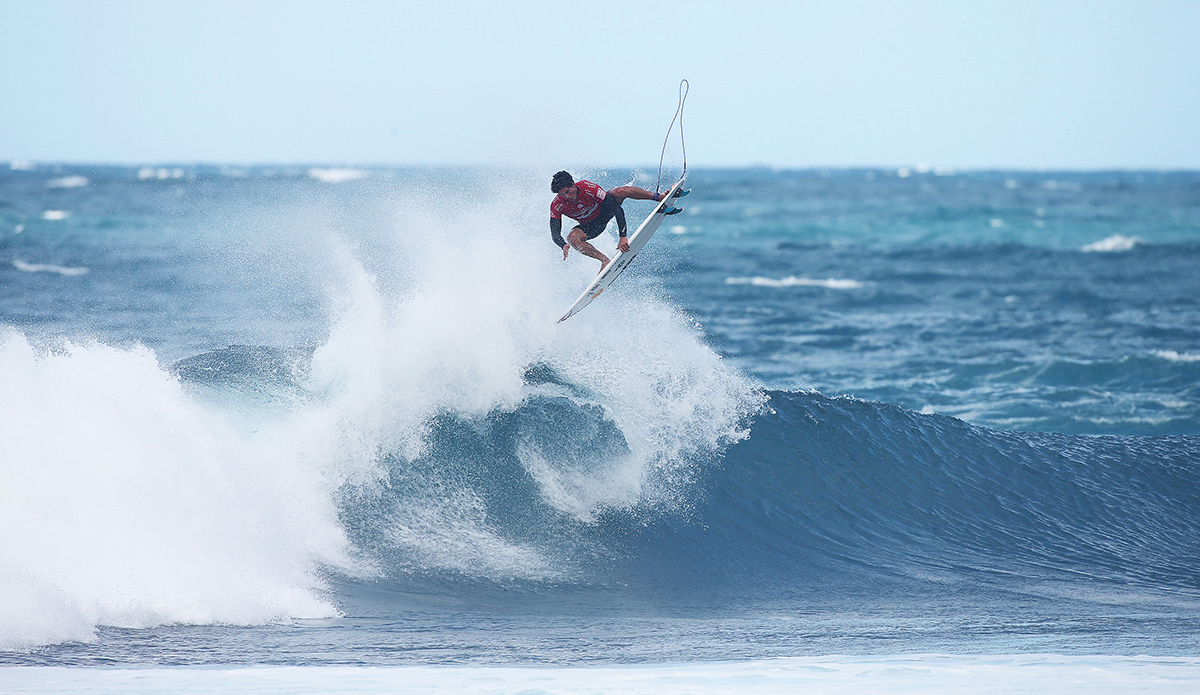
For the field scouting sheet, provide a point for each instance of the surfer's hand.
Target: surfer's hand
(623, 244)
(566, 250)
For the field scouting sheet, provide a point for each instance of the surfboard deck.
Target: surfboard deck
(621, 261)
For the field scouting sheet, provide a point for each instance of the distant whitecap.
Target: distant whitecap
(791, 281)
(68, 182)
(159, 174)
(336, 175)
(1114, 243)
(55, 214)
(40, 268)
(1174, 356)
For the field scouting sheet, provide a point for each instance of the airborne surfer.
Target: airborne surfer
(592, 207)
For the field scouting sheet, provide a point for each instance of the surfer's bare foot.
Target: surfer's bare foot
(603, 263)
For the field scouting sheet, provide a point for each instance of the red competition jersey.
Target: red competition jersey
(585, 206)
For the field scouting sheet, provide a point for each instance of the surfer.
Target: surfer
(592, 207)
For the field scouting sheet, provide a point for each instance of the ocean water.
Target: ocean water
(909, 428)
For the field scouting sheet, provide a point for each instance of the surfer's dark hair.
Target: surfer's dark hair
(560, 181)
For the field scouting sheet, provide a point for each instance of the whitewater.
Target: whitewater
(308, 426)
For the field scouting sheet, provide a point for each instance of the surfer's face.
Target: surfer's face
(568, 192)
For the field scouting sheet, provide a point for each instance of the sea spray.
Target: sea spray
(453, 336)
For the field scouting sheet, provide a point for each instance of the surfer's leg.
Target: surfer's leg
(579, 242)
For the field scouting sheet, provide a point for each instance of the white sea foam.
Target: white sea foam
(22, 165)
(669, 393)
(456, 332)
(333, 175)
(44, 268)
(55, 215)
(824, 675)
(451, 532)
(68, 182)
(125, 503)
(1174, 356)
(792, 281)
(1114, 243)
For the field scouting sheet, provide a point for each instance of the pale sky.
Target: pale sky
(954, 83)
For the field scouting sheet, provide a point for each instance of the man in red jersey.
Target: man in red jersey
(592, 207)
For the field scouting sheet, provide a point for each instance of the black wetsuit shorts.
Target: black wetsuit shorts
(595, 226)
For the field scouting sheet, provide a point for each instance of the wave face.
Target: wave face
(871, 489)
(552, 502)
(828, 500)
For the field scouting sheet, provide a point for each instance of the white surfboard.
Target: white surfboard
(621, 261)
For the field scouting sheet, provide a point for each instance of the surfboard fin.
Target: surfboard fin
(673, 211)
(682, 192)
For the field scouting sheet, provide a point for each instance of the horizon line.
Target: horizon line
(903, 170)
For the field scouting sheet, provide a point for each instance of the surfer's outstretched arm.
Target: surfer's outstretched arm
(634, 192)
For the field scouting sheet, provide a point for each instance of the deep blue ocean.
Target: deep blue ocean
(294, 416)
